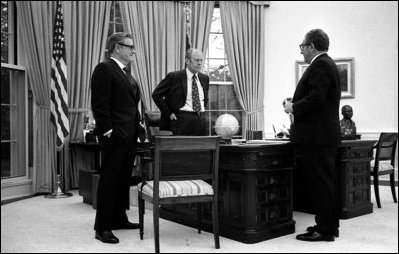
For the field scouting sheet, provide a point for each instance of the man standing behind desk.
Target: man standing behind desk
(114, 102)
(316, 133)
(182, 97)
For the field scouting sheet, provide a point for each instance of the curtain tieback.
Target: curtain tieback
(77, 110)
(44, 107)
(254, 111)
(70, 110)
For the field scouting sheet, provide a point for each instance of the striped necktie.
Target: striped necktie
(195, 95)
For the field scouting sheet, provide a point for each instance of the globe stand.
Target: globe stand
(226, 141)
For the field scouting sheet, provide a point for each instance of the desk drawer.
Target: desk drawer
(354, 153)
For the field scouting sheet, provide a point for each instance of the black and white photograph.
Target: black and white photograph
(199, 126)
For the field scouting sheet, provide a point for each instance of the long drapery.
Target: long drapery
(36, 24)
(200, 20)
(243, 27)
(158, 30)
(86, 28)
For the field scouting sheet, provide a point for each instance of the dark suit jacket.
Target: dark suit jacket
(316, 105)
(170, 94)
(114, 101)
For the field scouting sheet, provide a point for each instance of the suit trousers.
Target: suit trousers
(114, 184)
(320, 180)
(189, 124)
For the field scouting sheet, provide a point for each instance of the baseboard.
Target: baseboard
(12, 200)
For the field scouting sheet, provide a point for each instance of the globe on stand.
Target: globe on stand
(226, 126)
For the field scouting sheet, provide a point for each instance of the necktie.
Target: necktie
(130, 78)
(195, 95)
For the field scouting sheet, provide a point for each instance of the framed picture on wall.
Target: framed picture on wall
(346, 73)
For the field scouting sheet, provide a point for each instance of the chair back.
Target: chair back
(152, 119)
(186, 158)
(384, 162)
(386, 147)
(185, 171)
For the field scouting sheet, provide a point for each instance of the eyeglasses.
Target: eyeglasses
(303, 45)
(131, 47)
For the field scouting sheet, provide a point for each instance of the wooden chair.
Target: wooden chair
(151, 121)
(185, 171)
(384, 162)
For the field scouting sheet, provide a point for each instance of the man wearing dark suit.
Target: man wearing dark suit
(114, 102)
(182, 97)
(316, 133)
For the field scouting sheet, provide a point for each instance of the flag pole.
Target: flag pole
(59, 95)
(58, 193)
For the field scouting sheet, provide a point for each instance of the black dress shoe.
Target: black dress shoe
(127, 225)
(106, 236)
(313, 229)
(315, 237)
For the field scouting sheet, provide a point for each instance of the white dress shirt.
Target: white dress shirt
(188, 106)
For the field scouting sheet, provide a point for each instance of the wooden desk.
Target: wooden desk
(256, 197)
(87, 176)
(353, 168)
(255, 191)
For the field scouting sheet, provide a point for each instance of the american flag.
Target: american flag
(59, 96)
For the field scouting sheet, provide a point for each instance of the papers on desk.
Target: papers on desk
(270, 141)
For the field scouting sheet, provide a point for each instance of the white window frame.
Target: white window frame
(218, 83)
(14, 187)
(19, 153)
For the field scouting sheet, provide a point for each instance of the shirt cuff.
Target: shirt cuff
(108, 132)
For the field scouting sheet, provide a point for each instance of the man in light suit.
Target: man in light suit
(316, 133)
(181, 111)
(114, 102)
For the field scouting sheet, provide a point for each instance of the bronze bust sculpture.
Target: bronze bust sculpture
(348, 127)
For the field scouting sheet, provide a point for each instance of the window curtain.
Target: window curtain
(86, 28)
(158, 30)
(200, 20)
(36, 30)
(243, 27)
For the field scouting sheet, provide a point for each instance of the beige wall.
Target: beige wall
(366, 31)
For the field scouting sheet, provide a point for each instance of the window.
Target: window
(13, 121)
(222, 98)
(14, 103)
(115, 22)
(7, 32)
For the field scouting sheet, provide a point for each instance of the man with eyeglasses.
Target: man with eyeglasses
(316, 134)
(115, 97)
